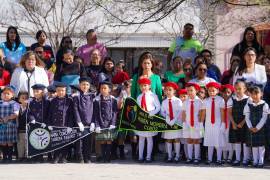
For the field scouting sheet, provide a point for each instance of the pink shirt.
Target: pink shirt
(85, 51)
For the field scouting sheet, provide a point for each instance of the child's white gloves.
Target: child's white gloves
(43, 125)
(112, 127)
(81, 126)
(33, 122)
(98, 130)
(50, 128)
(92, 127)
(69, 130)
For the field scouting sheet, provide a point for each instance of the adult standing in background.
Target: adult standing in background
(267, 44)
(177, 72)
(145, 70)
(13, 47)
(213, 70)
(47, 54)
(249, 71)
(201, 75)
(85, 51)
(184, 46)
(30, 72)
(249, 40)
(66, 43)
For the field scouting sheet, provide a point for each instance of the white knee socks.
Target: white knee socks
(261, 154)
(177, 147)
(141, 147)
(255, 153)
(219, 153)
(197, 148)
(169, 149)
(149, 147)
(210, 153)
(190, 150)
(246, 152)
(237, 148)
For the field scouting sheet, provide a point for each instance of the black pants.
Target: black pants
(83, 148)
(61, 152)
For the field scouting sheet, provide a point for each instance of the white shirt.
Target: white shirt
(198, 105)
(202, 82)
(219, 105)
(19, 79)
(176, 107)
(264, 115)
(258, 76)
(152, 102)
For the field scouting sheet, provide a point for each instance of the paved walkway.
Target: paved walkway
(128, 171)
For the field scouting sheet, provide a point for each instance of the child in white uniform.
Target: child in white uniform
(227, 91)
(192, 121)
(171, 110)
(149, 102)
(214, 125)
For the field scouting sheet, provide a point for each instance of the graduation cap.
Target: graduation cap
(106, 82)
(85, 79)
(75, 87)
(60, 84)
(38, 87)
(51, 89)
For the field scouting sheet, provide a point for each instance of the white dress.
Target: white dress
(177, 109)
(153, 107)
(214, 133)
(192, 132)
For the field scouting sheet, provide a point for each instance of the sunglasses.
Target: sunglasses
(39, 52)
(187, 69)
(68, 42)
(202, 69)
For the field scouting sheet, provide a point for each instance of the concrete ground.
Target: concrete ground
(128, 170)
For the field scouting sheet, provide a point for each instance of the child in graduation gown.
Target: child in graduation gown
(149, 102)
(61, 115)
(214, 123)
(192, 122)
(105, 116)
(83, 111)
(256, 112)
(171, 109)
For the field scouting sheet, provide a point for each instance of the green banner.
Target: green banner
(136, 119)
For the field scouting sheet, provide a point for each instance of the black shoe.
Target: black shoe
(255, 165)
(236, 163)
(245, 163)
(140, 161)
(260, 165)
(229, 161)
(208, 162)
(196, 162)
(188, 161)
(86, 161)
(176, 159)
(56, 160)
(148, 161)
(218, 163)
(169, 160)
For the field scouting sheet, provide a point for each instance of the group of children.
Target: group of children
(226, 120)
(229, 118)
